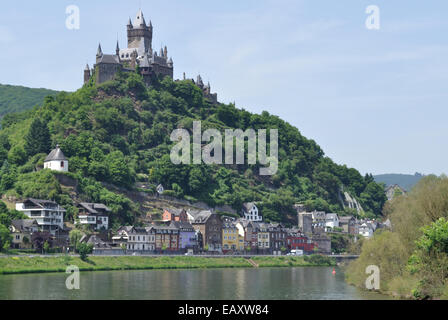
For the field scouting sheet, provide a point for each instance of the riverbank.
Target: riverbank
(16, 265)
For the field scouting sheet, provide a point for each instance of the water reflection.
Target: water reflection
(216, 284)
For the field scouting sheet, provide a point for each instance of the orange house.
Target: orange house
(173, 214)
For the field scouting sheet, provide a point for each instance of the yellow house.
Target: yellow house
(232, 239)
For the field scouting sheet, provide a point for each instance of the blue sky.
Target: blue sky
(372, 99)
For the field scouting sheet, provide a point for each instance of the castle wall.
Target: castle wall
(106, 72)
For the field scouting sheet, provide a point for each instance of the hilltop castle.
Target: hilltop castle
(139, 52)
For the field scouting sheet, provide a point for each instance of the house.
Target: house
(210, 226)
(263, 237)
(331, 221)
(394, 191)
(97, 242)
(232, 237)
(366, 229)
(296, 240)
(140, 239)
(56, 160)
(21, 231)
(277, 236)
(250, 212)
(48, 214)
(173, 214)
(348, 224)
(249, 232)
(188, 239)
(166, 238)
(319, 221)
(160, 189)
(122, 236)
(95, 215)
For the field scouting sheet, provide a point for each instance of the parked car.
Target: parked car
(295, 253)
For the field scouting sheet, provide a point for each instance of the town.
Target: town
(179, 231)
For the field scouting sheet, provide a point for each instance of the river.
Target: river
(310, 283)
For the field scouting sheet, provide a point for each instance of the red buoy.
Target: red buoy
(334, 271)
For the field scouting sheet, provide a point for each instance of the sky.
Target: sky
(374, 100)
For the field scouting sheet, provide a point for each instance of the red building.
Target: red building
(296, 240)
(174, 215)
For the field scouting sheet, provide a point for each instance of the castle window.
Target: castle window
(62, 164)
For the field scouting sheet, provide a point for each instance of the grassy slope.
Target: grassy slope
(12, 265)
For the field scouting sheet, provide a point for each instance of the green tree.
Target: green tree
(38, 139)
(75, 237)
(46, 247)
(5, 238)
(84, 250)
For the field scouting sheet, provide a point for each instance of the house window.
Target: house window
(62, 164)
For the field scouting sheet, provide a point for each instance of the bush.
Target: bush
(84, 249)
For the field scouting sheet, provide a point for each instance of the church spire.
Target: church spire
(99, 53)
(117, 49)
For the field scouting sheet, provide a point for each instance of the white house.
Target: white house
(141, 239)
(48, 214)
(331, 221)
(56, 160)
(93, 214)
(366, 230)
(250, 212)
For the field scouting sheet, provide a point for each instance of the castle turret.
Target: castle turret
(165, 53)
(99, 53)
(139, 32)
(87, 74)
(117, 49)
(170, 63)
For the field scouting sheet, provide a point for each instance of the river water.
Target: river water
(314, 283)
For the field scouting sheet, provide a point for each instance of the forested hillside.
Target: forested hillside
(119, 133)
(17, 98)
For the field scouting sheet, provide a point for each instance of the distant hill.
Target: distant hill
(406, 181)
(18, 98)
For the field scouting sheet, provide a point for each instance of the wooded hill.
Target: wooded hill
(18, 98)
(119, 133)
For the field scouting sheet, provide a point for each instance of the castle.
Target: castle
(139, 52)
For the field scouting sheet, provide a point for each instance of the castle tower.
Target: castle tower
(99, 53)
(139, 34)
(87, 74)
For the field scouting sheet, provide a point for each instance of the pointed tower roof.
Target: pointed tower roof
(56, 155)
(87, 67)
(100, 51)
(117, 49)
(139, 19)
